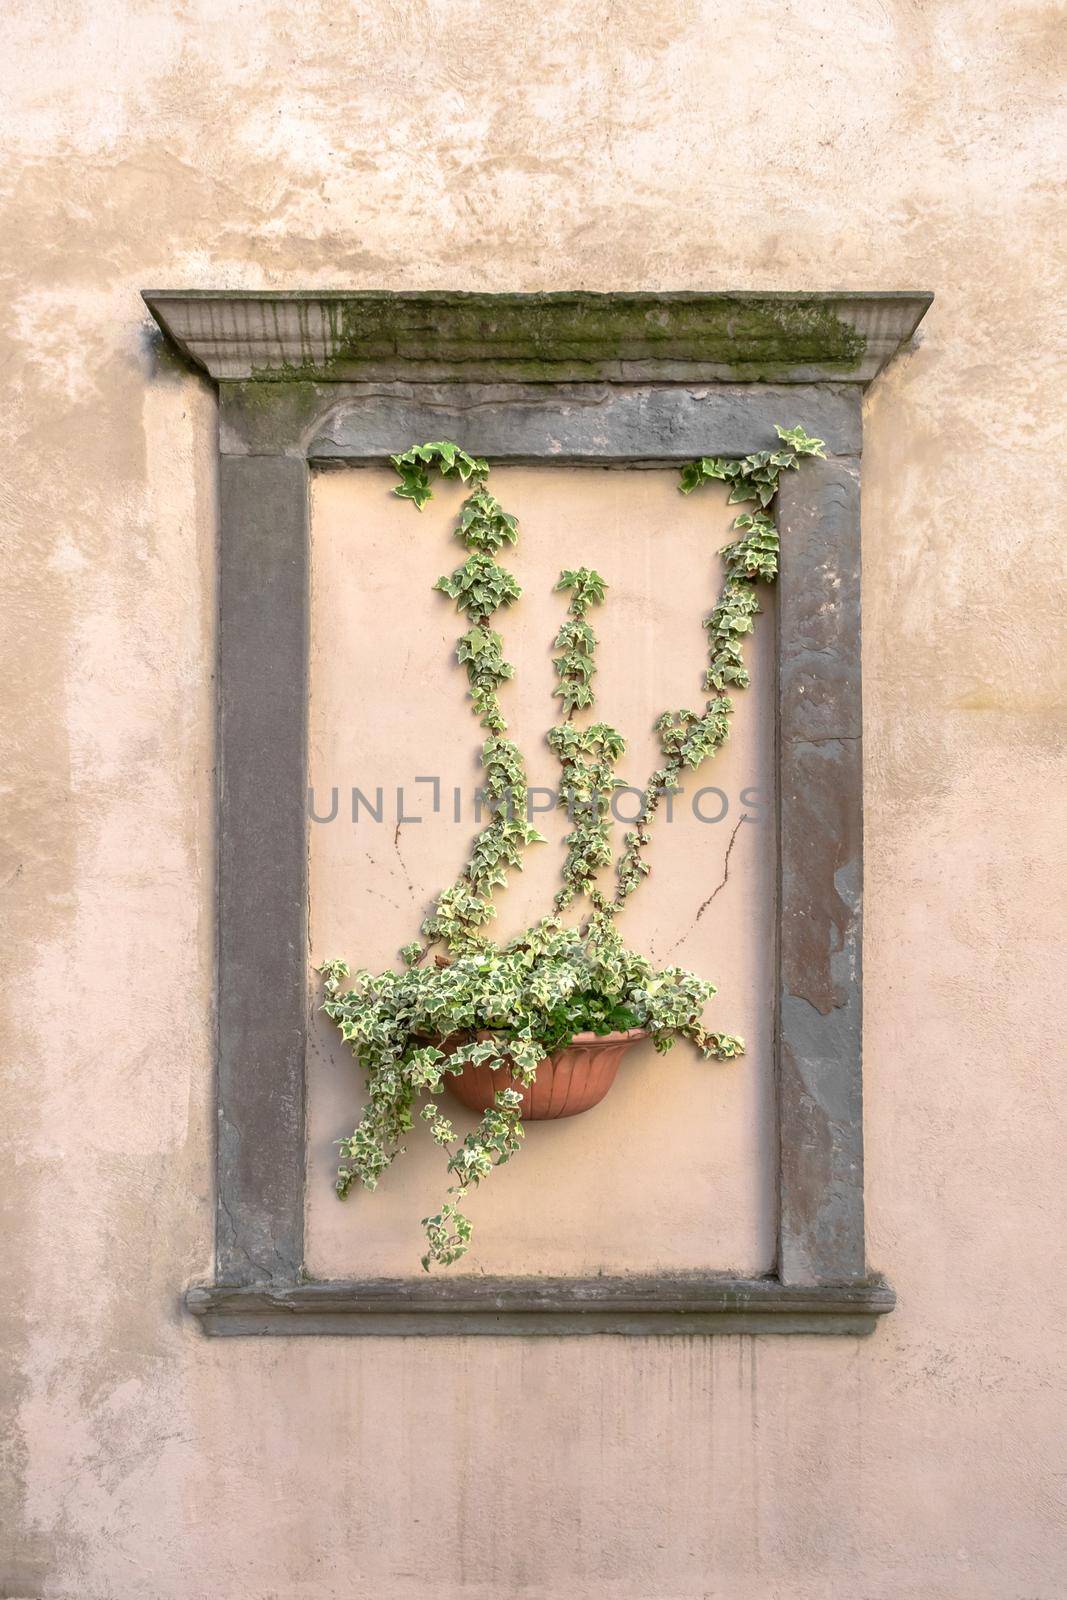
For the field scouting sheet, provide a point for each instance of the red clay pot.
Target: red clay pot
(571, 1080)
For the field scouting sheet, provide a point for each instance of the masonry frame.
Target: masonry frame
(333, 379)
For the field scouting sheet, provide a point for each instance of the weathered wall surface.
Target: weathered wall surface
(389, 701)
(656, 144)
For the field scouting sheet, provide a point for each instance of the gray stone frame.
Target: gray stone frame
(627, 380)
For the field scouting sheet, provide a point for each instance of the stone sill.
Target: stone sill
(685, 1303)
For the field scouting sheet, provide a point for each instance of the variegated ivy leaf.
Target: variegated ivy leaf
(449, 460)
(799, 441)
(587, 588)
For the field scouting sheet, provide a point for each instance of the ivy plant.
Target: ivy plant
(461, 997)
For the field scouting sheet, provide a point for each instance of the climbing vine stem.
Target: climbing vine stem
(689, 738)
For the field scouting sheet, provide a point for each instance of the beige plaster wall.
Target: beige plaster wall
(389, 703)
(869, 144)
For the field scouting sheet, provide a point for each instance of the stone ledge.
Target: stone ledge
(681, 1303)
(435, 336)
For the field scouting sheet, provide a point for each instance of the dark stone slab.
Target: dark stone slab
(262, 863)
(820, 799)
(594, 423)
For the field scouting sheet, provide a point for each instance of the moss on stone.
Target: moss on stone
(573, 336)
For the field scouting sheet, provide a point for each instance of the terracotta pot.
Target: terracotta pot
(569, 1081)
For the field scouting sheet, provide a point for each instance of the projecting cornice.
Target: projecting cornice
(440, 336)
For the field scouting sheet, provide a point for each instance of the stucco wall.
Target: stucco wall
(388, 702)
(869, 145)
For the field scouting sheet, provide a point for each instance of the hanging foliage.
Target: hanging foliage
(510, 1005)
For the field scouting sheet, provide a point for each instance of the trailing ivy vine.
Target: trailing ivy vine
(510, 1005)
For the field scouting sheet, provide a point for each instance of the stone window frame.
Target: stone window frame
(333, 378)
